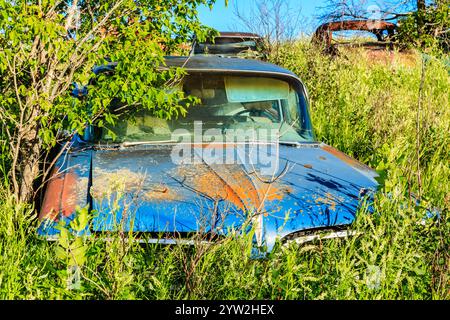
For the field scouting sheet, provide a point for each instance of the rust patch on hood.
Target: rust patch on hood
(219, 182)
(232, 184)
(106, 183)
(345, 158)
(330, 200)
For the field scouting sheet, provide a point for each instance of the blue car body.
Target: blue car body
(322, 188)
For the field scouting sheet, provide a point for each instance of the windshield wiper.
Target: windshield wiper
(139, 143)
(290, 143)
(297, 144)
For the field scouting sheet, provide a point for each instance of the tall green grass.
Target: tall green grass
(365, 108)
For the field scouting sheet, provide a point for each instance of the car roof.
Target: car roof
(214, 63)
(238, 35)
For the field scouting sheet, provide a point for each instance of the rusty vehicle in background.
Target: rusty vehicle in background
(382, 31)
(232, 45)
(129, 180)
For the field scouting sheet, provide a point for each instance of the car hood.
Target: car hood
(141, 189)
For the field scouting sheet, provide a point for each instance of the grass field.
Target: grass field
(391, 113)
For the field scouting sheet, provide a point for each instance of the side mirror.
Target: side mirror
(78, 91)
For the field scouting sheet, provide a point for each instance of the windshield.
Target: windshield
(238, 107)
(223, 45)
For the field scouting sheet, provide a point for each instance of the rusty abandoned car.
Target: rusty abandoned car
(382, 32)
(133, 180)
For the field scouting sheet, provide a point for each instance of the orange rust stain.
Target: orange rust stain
(308, 166)
(348, 160)
(161, 194)
(232, 184)
(60, 196)
(106, 183)
(240, 195)
(329, 200)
